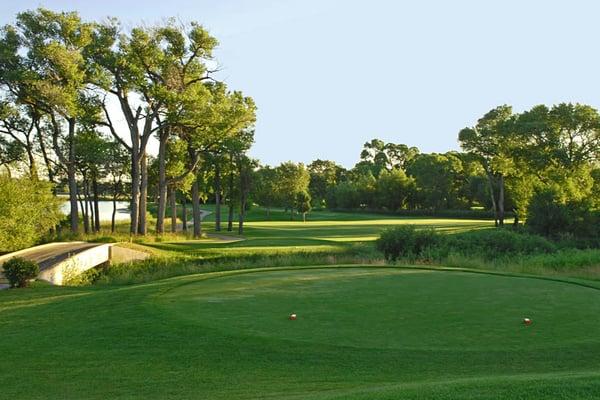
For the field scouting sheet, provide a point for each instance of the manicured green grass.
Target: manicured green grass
(328, 238)
(325, 231)
(361, 333)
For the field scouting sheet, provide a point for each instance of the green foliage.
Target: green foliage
(28, 210)
(10, 151)
(378, 156)
(394, 190)
(19, 271)
(292, 179)
(551, 216)
(406, 242)
(324, 175)
(265, 187)
(438, 179)
(496, 243)
(303, 203)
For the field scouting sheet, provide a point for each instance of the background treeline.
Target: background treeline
(542, 165)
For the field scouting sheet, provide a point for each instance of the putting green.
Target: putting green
(385, 308)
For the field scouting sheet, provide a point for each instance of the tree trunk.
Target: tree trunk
(183, 214)
(114, 211)
(242, 214)
(173, 197)
(196, 210)
(217, 197)
(303, 217)
(96, 205)
(492, 195)
(135, 191)
(32, 166)
(82, 203)
(142, 226)
(89, 202)
(230, 216)
(89, 207)
(44, 153)
(501, 201)
(162, 183)
(72, 178)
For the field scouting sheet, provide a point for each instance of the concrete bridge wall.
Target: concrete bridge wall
(76, 264)
(61, 265)
(88, 259)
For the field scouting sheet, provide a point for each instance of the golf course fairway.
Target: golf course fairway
(360, 333)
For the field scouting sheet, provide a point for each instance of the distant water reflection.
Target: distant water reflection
(106, 209)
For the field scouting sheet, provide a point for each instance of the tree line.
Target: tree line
(528, 164)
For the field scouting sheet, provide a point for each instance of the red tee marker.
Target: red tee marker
(292, 317)
(526, 321)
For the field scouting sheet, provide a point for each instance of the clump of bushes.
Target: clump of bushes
(553, 217)
(498, 242)
(19, 271)
(407, 241)
(28, 209)
(428, 245)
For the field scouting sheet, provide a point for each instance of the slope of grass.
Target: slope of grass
(361, 333)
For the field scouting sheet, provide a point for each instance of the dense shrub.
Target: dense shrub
(497, 242)
(548, 215)
(406, 241)
(427, 245)
(28, 210)
(19, 271)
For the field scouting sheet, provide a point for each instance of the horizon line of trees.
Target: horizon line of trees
(545, 158)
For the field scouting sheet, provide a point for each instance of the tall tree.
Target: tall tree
(292, 179)
(324, 175)
(490, 140)
(438, 180)
(117, 167)
(174, 63)
(120, 73)
(265, 188)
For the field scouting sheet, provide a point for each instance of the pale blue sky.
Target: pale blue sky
(329, 75)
